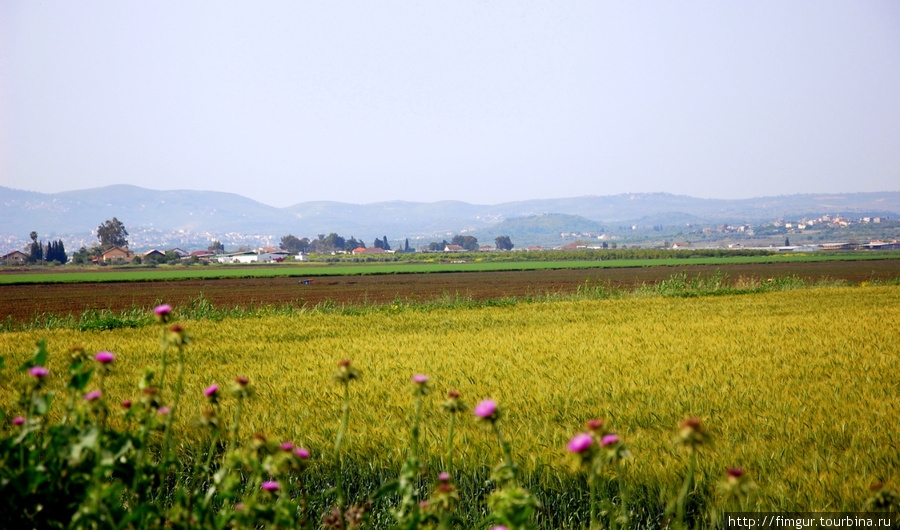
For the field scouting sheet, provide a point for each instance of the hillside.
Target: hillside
(193, 218)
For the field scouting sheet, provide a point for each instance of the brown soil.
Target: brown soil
(24, 302)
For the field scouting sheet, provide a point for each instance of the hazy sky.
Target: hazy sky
(481, 101)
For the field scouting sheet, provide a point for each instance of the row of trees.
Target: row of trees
(470, 243)
(331, 243)
(54, 251)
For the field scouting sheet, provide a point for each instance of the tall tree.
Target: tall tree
(469, 243)
(293, 244)
(386, 246)
(503, 243)
(216, 246)
(112, 233)
(36, 249)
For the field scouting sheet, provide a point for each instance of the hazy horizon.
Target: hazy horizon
(484, 103)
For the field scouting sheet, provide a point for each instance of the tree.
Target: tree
(36, 250)
(503, 243)
(353, 244)
(56, 251)
(787, 242)
(112, 234)
(438, 246)
(469, 243)
(406, 246)
(292, 244)
(386, 246)
(216, 247)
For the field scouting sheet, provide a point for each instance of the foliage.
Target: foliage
(469, 243)
(292, 244)
(216, 247)
(503, 243)
(112, 233)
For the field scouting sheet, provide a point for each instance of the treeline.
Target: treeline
(331, 243)
(52, 252)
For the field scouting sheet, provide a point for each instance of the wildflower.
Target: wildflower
(444, 477)
(301, 452)
(212, 392)
(486, 410)
(453, 404)
(177, 336)
(734, 473)
(499, 528)
(610, 439)
(421, 382)
(286, 446)
(581, 443)
(692, 436)
(595, 426)
(163, 410)
(345, 372)
(163, 313)
(737, 486)
(18, 420)
(105, 357)
(241, 388)
(39, 372)
(126, 404)
(91, 396)
(883, 499)
(239, 507)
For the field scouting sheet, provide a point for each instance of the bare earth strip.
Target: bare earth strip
(24, 302)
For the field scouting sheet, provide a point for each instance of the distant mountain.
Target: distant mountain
(193, 218)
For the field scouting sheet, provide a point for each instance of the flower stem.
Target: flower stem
(345, 418)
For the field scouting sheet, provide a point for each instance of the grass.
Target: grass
(798, 387)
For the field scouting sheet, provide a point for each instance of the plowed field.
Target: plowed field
(24, 302)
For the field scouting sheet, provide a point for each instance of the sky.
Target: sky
(480, 101)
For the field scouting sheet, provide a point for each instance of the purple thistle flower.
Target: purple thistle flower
(301, 453)
(18, 420)
(270, 485)
(420, 379)
(444, 477)
(39, 372)
(163, 309)
(163, 410)
(287, 446)
(499, 528)
(126, 404)
(610, 439)
(91, 396)
(736, 472)
(580, 442)
(486, 409)
(211, 390)
(105, 357)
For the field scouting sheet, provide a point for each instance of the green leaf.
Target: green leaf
(39, 358)
(386, 489)
(80, 380)
(41, 403)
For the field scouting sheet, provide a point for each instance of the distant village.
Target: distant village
(582, 240)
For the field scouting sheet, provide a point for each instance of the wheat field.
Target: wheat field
(800, 388)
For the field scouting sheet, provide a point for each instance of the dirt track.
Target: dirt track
(24, 302)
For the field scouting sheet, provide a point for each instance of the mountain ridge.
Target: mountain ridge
(204, 215)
